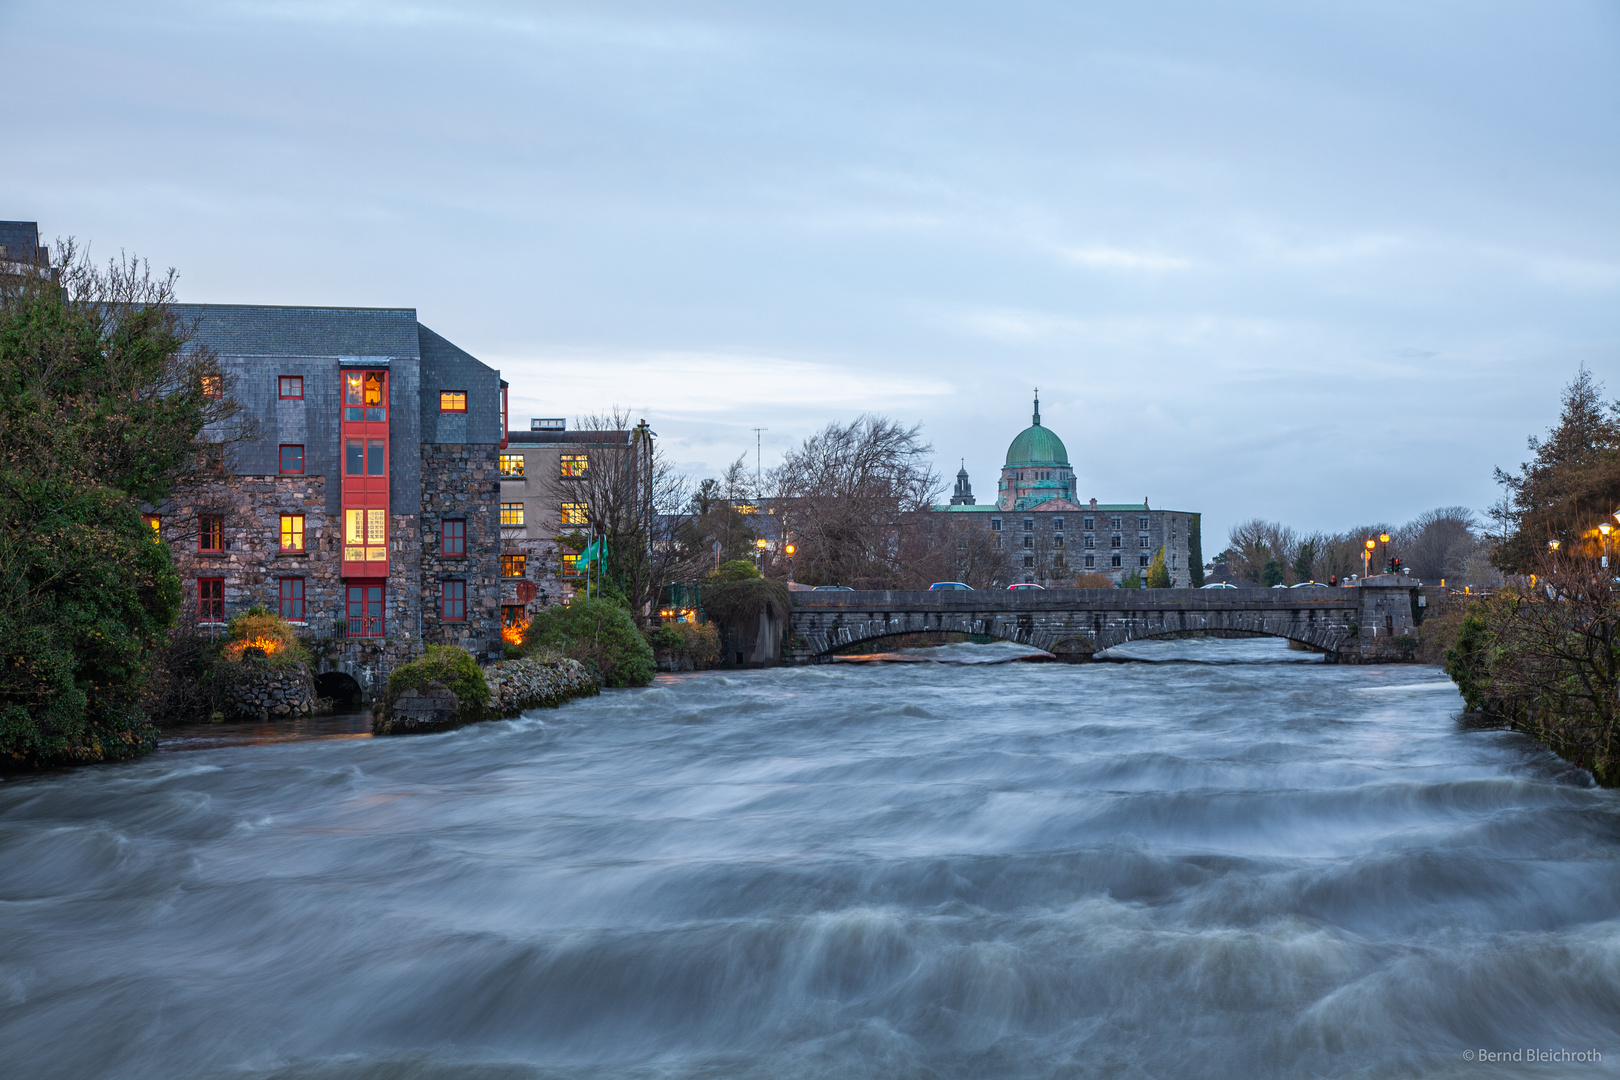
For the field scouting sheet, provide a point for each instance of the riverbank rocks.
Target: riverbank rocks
(262, 691)
(515, 685)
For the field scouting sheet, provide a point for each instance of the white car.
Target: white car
(1218, 585)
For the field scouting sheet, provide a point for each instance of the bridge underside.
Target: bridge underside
(1079, 635)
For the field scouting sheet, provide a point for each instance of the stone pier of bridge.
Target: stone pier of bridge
(1373, 621)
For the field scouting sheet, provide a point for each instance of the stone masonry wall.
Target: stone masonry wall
(462, 480)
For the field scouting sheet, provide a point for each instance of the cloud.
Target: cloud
(1112, 258)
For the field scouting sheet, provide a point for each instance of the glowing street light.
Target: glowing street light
(1605, 529)
(1383, 553)
(1366, 557)
(759, 554)
(1552, 545)
(788, 550)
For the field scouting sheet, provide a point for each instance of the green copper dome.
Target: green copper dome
(1037, 445)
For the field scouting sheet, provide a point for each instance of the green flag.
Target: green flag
(595, 550)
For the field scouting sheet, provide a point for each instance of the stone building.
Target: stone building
(363, 505)
(543, 496)
(1052, 535)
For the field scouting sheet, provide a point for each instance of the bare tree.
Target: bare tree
(844, 496)
(945, 546)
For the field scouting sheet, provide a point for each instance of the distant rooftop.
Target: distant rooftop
(19, 242)
(259, 330)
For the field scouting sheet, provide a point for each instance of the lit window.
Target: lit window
(292, 598)
(365, 535)
(374, 388)
(515, 565)
(211, 599)
(574, 513)
(511, 464)
(570, 564)
(213, 386)
(453, 602)
(292, 458)
(155, 523)
(573, 464)
(292, 386)
(365, 611)
(364, 395)
(453, 401)
(292, 532)
(210, 533)
(453, 537)
(511, 514)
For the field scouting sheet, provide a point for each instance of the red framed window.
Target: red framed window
(453, 606)
(454, 537)
(292, 457)
(210, 533)
(292, 599)
(292, 386)
(365, 610)
(211, 599)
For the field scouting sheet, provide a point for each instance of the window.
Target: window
(573, 464)
(1114, 541)
(364, 395)
(365, 535)
(453, 601)
(1142, 560)
(570, 564)
(1142, 523)
(1114, 559)
(515, 565)
(1091, 541)
(292, 458)
(292, 599)
(1029, 541)
(365, 611)
(1057, 523)
(210, 533)
(211, 599)
(154, 523)
(453, 537)
(1091, 561)
(292, 386)
(511, 464)
(513, 618)
(453, 401)
(1029, 560)
(1141, 541)
(1029, 524)
(511, 514)
(354, 458)
(376, 458)
(1057, 560)
(213, 386)
(1113, 523)
(995, 524)
(292, 532)
(1089, 524)
(1057, 540)
(574, 513)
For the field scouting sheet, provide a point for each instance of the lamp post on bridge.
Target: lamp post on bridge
(1366, 558)
(788, 550)
(1383, 550)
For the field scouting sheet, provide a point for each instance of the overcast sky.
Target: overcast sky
(1322, 263)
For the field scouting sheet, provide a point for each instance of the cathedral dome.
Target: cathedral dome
(1037, 445)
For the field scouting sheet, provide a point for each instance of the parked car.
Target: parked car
(946, 586)
(1024, 585)
(832, 588)
(1308, 585)
(1218, 585)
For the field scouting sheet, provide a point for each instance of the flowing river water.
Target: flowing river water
(1230, 861)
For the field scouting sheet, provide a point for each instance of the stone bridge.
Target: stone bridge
(1356, 624)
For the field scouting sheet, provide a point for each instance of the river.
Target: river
(1227, 860)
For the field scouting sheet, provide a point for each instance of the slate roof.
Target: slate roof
(20, 239)
(435, 348)
(256, 330)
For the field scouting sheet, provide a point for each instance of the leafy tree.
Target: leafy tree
(1158, 575)
(1305, 559)
(1132, 580)
(1271, 574)
(1195, 549)
(103, 403)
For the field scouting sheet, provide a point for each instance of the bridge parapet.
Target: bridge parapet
(1355, 624)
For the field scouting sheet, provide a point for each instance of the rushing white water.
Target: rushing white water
(1242, 864)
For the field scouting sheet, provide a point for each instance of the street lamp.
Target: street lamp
(1552, 545)
(1383, 538)
(788, 550)
(759, 555)
(1605, 529)
(1366, 557)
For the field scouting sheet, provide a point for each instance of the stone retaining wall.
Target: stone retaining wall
(261, 691)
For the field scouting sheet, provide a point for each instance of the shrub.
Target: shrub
(598, 633)
(271, 635)
(688, 645)
(1093, 581)
(453, 667)
(735, 570)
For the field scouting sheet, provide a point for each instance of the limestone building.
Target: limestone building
(1052, 534)
(364, 506)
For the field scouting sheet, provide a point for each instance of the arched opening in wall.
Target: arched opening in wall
(341, 688)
